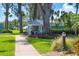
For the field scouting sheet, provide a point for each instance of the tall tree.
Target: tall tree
(15, 23)
(33, 10)
(43, 12)
(75, 25)
(52, 17)
(20, 16)
(17, 10)
(6, 6)
(76, 6)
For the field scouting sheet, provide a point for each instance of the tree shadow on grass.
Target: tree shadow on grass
(2, 51)
(24, 42)
(10, 41)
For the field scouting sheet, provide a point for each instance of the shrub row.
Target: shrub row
(4, 31)
(59, 31)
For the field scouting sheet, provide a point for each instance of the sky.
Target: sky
(55, 6)
(64, 7)
(2, 16)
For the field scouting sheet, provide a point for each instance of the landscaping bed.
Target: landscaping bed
(46, 46)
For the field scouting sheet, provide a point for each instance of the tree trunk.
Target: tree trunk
(20, 17)
(6, 16)
(35, 11)
(46, 24)
(42, 12)
(64, 43)
(76, 8)
(45, 15)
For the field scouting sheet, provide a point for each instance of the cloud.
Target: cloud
(68, 8)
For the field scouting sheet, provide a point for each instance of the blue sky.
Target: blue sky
(2, 16)
(64, 6)
(55, 6)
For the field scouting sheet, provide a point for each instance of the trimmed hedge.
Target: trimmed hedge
(59, 31)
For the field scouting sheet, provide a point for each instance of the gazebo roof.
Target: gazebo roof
(36, 22)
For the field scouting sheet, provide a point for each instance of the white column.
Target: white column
(29, 30)
(40, 29)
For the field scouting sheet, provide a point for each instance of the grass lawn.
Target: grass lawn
(41, 45)
(7, 45)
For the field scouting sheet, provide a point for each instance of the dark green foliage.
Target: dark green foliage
(4, 31)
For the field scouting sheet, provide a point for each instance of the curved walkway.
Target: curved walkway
(23, 48)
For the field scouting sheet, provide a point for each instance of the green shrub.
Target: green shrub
(60, 30)
(4, 31)
(15, 32)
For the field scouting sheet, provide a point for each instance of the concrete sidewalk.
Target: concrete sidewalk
(23, 48)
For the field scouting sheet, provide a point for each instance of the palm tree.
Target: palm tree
(6, 6)
(52, 12)
(75, 27)
(66, 17)
(76, 6)
(17, 10)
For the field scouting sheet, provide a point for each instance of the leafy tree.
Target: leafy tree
(15, 23)
(17, 10)
(43, 12)
(6, 6)
(20, 16)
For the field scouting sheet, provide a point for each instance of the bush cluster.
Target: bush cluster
(4, 31)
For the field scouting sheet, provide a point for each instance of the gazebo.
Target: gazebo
(35, 26)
